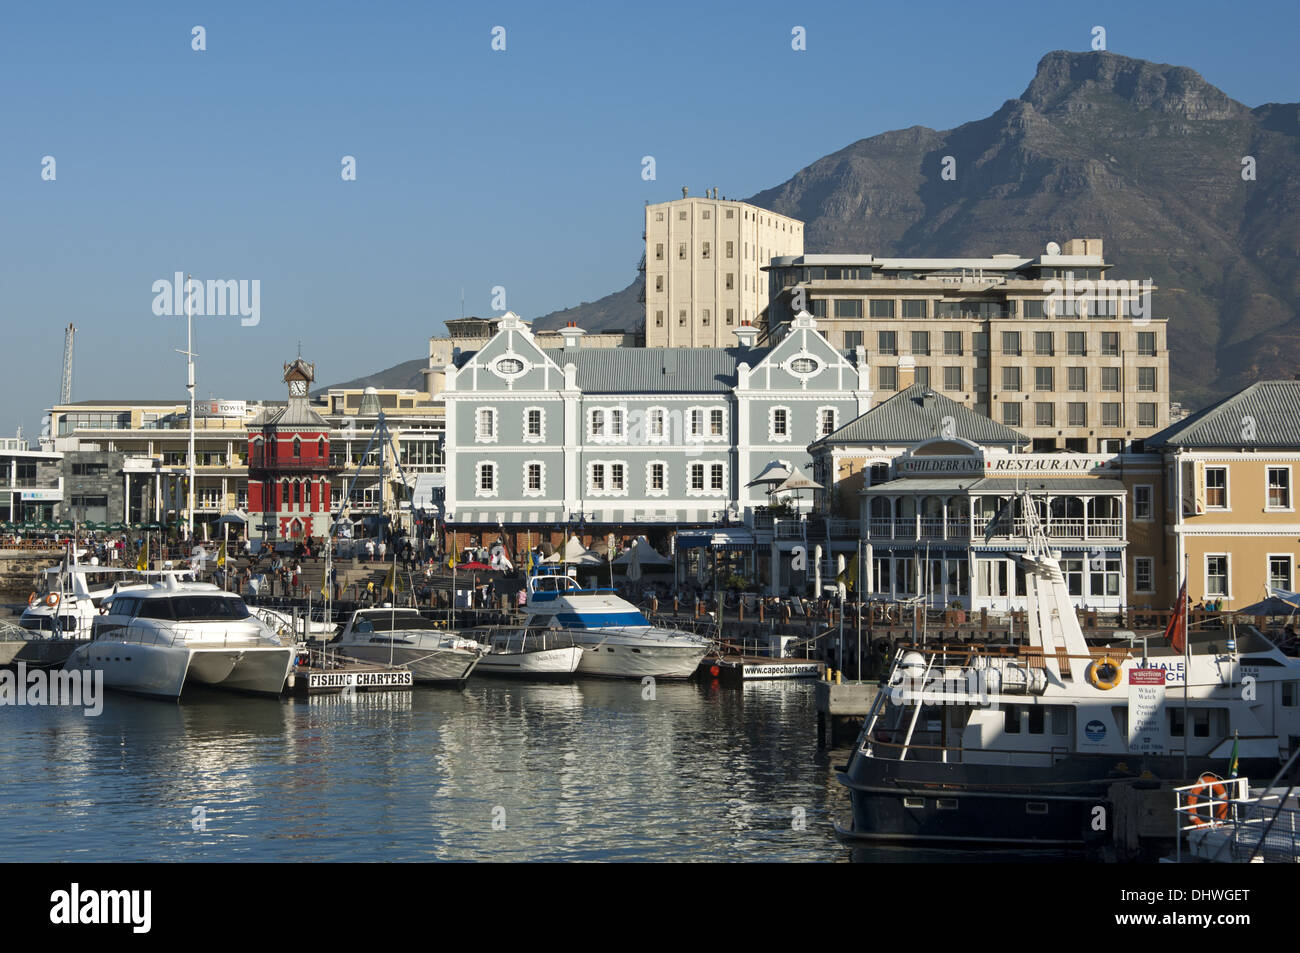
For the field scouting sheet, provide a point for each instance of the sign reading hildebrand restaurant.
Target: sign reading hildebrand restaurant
(995, 466)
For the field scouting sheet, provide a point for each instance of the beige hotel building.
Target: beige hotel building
(1086, 373)
(704, 264)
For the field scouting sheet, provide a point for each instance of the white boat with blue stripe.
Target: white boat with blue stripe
(617, 640)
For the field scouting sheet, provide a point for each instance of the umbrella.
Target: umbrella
(772, 474)
(646, 555)
(634, 562)
(238, 517)
(474, 567)
(1270, 606)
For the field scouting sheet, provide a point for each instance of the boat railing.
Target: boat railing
(151, 635)
(1221, 820)
(518, 640)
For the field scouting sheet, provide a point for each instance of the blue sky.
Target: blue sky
(475, 168)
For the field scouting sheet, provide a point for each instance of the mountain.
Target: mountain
(1144, 155)
(622, 311)
(406, 374)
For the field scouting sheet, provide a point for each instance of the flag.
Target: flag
(451, 562)
(850, 575)
(1232, 763)
(390, 584)
(1176, 630)
(142, 560)
(221, 555)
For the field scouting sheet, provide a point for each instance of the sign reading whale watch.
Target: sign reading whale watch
(1146, 711)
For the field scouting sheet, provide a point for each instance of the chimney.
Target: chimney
(572, 335)
(906, 372)
(685, 192)
(746, 334)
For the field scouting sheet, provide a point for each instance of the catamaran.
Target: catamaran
(1021, 744)
(156, 640)
(616, 638)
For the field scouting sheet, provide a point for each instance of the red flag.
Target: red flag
(1176, 630)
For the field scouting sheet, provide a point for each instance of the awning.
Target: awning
(715, 539)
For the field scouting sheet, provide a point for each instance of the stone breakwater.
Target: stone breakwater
(20, 571)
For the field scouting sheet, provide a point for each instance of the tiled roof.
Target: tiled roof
(655, 370)
(1265, 414)
(917, 414)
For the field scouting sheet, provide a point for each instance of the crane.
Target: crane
(65, 386)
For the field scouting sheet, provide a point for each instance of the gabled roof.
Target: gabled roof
(1271, 409)
(918, 414)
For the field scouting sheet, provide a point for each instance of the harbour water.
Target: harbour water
(499, 770)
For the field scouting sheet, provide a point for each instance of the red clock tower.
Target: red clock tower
(289, 465)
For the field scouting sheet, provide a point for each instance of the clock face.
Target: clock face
(298, 388)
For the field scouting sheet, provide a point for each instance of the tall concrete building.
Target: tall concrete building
(704, 267)
(1050, 346)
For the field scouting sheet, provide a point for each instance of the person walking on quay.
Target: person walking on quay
(383, 550)
(370, 550)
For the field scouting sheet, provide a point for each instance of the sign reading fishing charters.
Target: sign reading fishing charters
(1146, 711)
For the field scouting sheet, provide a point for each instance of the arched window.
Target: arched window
(320, 448)
(297, 449)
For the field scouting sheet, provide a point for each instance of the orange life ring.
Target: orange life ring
(31, 600)
(1217, 793)
(52, 599)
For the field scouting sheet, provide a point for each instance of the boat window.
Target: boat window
(1289, 690)
(394, 622)
(1037, 720)
(913, 802)
(1011, 721)
(123, 605)
(45, 623)
(1035, 807)
(155, 609)
(1060, 720)
(946, 804)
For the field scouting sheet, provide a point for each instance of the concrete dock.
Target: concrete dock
(841, 709)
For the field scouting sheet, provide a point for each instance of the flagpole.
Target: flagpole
(1187, 658)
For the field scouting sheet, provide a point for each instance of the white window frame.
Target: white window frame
(1151, 503)
(541, 491)
(1227, 489)
(1151, 573)
(690, 478)
(534, 438)
(707, 481)
(604, 489)
(665, 431)
(649, 482)
(485, 466)
(835, 420)
(606, 415)
(1205, 581)
(772, 435)
(479, 435)
(1290, 570)
(706, 411)
(1290, 489)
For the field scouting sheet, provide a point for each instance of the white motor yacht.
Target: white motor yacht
(392, 636)
(528, 652)
(156, 640)
(616, 638)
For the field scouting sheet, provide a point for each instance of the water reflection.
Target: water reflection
(593, 769)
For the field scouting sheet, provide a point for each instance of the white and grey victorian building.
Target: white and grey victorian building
(543, 442)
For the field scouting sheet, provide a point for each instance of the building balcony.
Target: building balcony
(273, 464)
(930, 528)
